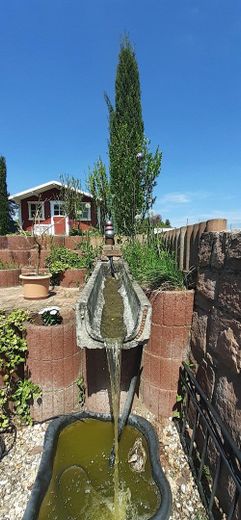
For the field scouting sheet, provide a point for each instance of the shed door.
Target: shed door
(59, 218)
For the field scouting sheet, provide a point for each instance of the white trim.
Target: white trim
(40, 188)
(52, 203)
(89, 213)
(20, 215)
(36, 202)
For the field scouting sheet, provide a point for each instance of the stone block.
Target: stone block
(73, 278)
(218, 251)
(170, 370)
(155, 370)
(233, 256)
(157, 302)
(153, 400)
(227, 401)
(206, 376)
(155, 342)
(229, 349)
(9, 277)
(167, 401)
(178, 307)
(205, 249)
(207, 284)
(146, 366)
(229, 296)
(199, 334)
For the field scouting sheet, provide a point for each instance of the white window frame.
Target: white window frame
(89, 212)
(37, 203)
(52, 203)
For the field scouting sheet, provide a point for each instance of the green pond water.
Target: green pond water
(82, 484)
(112, 322)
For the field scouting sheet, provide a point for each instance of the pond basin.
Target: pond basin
(75, 480)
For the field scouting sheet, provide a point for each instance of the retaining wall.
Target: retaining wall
(216, 337)
(21, 250)
(166, 349)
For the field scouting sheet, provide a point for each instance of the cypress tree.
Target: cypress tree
(126, 140)
(4, 203)
(133, 167)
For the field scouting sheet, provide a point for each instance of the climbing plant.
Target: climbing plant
(16, 393)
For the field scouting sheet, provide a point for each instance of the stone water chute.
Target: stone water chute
(137, 309)
(137, 325)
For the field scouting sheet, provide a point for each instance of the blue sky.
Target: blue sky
(58, 57)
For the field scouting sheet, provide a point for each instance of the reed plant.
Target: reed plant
(152, 265)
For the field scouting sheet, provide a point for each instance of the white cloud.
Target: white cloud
(175, 198)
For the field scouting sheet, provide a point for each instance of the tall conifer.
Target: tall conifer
(133, 168)
(4, 204)
(126, 138)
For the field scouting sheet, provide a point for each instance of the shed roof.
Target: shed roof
(40, 189)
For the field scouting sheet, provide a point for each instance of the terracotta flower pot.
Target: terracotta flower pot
(35, 287)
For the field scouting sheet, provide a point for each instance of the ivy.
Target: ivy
(16, 394)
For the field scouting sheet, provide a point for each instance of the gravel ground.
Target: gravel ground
(18, 471)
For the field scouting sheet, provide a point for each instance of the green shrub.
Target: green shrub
(13, 349)
(152, 265)
(61, 258)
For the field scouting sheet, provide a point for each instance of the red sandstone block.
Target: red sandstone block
(76, 366)
(46, 374)
(146, 393)
(58, 342)
(45, 333)
(167, 400)
(68, 399)
(157, 301)
(20, 258)
(47, 404)
(146, 366)
(58, 402)
(33, 370)
(156, 339)
(155, 370)
(68, 371)
(167, 342)
(69, 339)
(3, 242)
(169, 308)
(189, 307)
(20, 242)
(58, 373)
(169, 374)
(154, 400)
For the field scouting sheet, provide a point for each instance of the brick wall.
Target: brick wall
(166, 349)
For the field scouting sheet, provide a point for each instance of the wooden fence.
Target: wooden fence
(184, 241)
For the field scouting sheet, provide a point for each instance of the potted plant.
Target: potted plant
(36, 283)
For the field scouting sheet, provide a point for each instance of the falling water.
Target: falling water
(113, 328)
(113, 351)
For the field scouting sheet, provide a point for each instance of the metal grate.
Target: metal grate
(214, 458)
